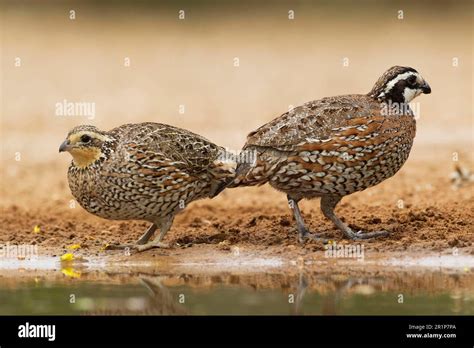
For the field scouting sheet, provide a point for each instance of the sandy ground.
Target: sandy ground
(83, 60)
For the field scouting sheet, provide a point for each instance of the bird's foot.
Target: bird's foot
(119, 246)
(304, 235)
(138, 247)
(151, 245)
(365, 235)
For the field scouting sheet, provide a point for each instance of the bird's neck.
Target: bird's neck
(83, 158)
(392, 97)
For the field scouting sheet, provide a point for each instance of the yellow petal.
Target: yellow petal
(67, 257)
(36, 229)
(70, 272)
(73, 247)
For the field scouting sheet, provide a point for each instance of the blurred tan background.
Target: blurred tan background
(191, 62)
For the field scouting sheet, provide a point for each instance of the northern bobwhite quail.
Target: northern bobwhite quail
(336, 146)
(145, 171)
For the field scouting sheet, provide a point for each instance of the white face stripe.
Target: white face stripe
(409, 94)
(393, 82)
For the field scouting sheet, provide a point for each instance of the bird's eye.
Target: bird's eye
(85, 138)
(412, 80)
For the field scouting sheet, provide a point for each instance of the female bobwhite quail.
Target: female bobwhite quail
(145, 171)
(336, 146)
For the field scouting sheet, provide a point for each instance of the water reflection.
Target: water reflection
(298, 293)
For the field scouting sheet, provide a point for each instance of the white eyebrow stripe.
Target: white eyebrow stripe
(398, 78)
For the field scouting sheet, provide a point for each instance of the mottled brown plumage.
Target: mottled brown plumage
(145, 171)
(336, 146)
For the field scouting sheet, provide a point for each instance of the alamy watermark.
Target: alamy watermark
(244, 156)
(23, 251)
(344, 251)
(393, 108)
(68, 108)
(28, 330)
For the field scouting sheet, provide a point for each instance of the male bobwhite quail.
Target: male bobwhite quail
(145, 171)
(336, 146)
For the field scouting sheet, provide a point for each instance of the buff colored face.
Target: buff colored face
(84, 147)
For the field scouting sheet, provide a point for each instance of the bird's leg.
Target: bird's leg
(157, 242)
(143, 239)
(328, 203)
(303, 232)
(147, 235)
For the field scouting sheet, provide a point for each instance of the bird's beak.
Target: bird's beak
(64, 146)
(425, 88)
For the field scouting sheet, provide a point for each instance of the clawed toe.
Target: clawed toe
(316, 238)
(138, 247)
(152, 245)
(119, 246)
(367, 235)
(305, 236)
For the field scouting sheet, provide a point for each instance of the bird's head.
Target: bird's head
(86, 144)
(399, 85)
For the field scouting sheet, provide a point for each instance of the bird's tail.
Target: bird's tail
(245, 173)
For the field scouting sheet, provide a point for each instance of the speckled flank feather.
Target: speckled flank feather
(333, 145)
(147, 171)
